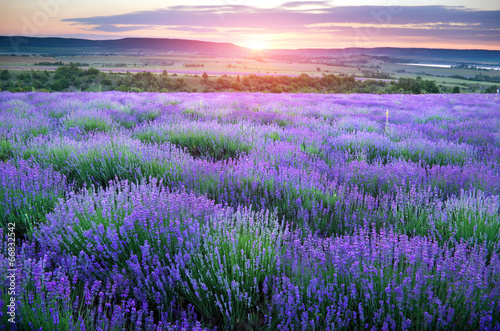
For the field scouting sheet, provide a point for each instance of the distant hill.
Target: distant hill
(126, 45)
(444, 55)
(163, 45)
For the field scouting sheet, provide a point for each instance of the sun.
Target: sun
(256, 44)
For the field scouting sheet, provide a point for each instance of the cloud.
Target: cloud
(246, 16)
(196, 29)
(314, 17)
(117, 28)
(297, 4)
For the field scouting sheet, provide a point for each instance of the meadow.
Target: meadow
(240, 211)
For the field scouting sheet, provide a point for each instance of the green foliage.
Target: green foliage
(55, 156)
(91, 71)
(89, 124)
(430, 119)
(204, 144)
(276, 89)
(127, 124)
(240, 254)
(38, 313)
(60, 85)
(289, 201)
(6, 150)
(106, 81)
(136, 238)
(151, 137)
(236, 86)
(5, 75)
(95, 167)
(491, 89)
(274, 136)
(430, 158)
(24, 210)
(147, 116)
(68, 71)
(98, 168)
(472, 217)
(56, 113)
(37, 131)
(193, 113)
(92, 79)
(416, 86)
(123, 88)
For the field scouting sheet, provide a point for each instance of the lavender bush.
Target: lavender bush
(250, 211)
(27, 193)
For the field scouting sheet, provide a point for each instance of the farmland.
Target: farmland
(242, 211)
(372, 73)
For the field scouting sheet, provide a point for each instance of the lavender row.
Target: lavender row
(245, 211)
(139, 251)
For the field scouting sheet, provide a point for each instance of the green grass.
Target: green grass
(199, 144)
(38, 311)
(146, 116)
(385, 270)
(173, 220)
(239, 254)
(274, 136)
(57, 113)
(25, 202)
(127, 124)
(472, 217)
(6, 150)
(55, 156)
(432, 158)
(430, 119)
(193, 114)
(89, 124)
(289, 201)
(202, 144)
(151, 137)
(95, 167)
(41, 130)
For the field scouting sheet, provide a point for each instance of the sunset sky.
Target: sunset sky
(265, 24)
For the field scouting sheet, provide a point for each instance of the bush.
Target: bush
(4, 75)
(276, 89)
(106, 81)
(123, 88)
(27, 193)
(491, 89)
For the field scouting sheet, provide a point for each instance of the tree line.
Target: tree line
(72, 78)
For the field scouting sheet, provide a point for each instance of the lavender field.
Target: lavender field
(249, 211)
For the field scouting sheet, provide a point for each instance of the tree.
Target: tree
(246, 81)
(276, 88)
(456, 89)
(205, 75)
(5, 75)
(106, 81)
(236, 86)
(91, 71)
(123, 88)
(491, 89)
(68, 71)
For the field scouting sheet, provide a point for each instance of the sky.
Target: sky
(454, 24)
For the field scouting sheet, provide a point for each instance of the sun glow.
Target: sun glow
(256, 44)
